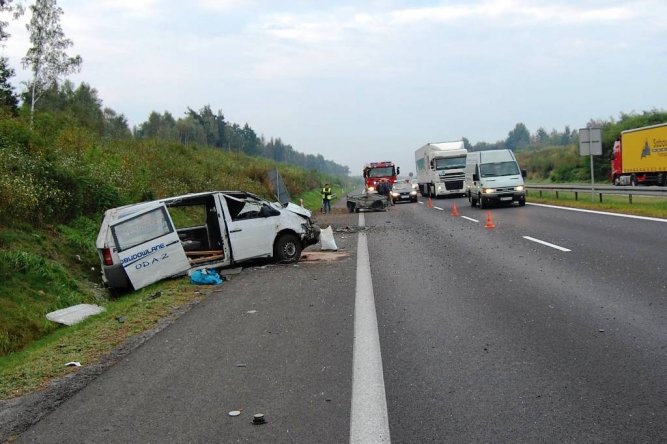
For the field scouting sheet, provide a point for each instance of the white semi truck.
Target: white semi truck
(440, 168)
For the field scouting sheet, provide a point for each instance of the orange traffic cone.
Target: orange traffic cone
(489, 221)
(429, 204)
(455, 211)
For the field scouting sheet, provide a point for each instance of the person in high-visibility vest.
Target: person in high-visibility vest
(326, 198)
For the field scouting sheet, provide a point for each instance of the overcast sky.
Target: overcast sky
(365, 81)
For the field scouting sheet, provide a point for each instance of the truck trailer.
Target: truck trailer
(440, 168)
(639, 156)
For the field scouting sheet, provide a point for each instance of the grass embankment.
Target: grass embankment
(86, 342)
(640, 206)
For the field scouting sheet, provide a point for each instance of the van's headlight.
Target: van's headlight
(489, 190)
(519, 188)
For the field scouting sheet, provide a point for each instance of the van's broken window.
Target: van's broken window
(240, 209)
(142, 228)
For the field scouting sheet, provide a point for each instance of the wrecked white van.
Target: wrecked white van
(143, 243)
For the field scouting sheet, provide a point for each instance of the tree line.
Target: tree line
(46, 100)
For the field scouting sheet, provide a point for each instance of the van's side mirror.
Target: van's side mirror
(475, 177)
(524, 173)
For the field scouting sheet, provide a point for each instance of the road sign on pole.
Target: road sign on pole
(590, 144)
(590, 141)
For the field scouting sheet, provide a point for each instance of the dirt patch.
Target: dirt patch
(326, 256)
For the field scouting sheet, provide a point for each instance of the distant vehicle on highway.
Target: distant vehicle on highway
(494, 176)
(403, 191)
(639, 156)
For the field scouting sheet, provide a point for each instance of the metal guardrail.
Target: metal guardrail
(599, 190)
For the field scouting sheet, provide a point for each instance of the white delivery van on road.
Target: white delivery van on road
(494, 177)
(143, 243)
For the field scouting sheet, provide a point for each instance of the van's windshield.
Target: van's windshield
(509, 168)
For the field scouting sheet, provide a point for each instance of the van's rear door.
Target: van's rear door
(148, 246)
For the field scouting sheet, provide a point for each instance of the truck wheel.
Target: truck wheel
(482, 204)
(473, 202)
(431, 190)
(287, 248)
(633, 180)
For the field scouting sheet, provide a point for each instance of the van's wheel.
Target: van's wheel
(482, 204)
(287, 248)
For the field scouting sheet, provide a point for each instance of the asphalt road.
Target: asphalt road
(485, 336)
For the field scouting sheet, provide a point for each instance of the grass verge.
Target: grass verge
(86, 342)
(640, 206)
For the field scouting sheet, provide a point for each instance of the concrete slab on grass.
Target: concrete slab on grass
(76, 313)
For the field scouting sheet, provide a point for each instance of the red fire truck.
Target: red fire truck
(375, 171)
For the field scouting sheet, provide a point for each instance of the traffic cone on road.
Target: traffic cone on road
(429, 204)
(489, 221)
(455, 211)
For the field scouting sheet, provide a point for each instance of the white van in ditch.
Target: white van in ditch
(143, 243)
(494, 177)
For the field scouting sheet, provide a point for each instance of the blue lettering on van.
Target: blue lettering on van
(140, 254)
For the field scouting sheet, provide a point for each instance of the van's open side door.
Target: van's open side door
(148, 246)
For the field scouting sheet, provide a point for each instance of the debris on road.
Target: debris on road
(234, 413)
(327, 240)
(73, 364)
(258, 418)
(205, 276)
(74, 314)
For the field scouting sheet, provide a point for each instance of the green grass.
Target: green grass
(640, 206)
(86, 342)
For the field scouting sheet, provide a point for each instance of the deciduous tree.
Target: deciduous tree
(47, 58)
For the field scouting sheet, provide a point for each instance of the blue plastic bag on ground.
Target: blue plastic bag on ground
(205, 277)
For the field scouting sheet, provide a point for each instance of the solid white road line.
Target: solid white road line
(630, 216)
(438, 208)
(369, 421)
(546, 243)
(470, 219)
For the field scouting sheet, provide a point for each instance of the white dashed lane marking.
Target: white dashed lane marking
(557, 247)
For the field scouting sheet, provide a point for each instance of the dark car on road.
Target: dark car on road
(403, 192)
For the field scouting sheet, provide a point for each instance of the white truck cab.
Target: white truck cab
(494, 176)
(440, 168)
(143, 243)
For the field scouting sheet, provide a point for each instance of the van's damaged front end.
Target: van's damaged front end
(311, 232)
